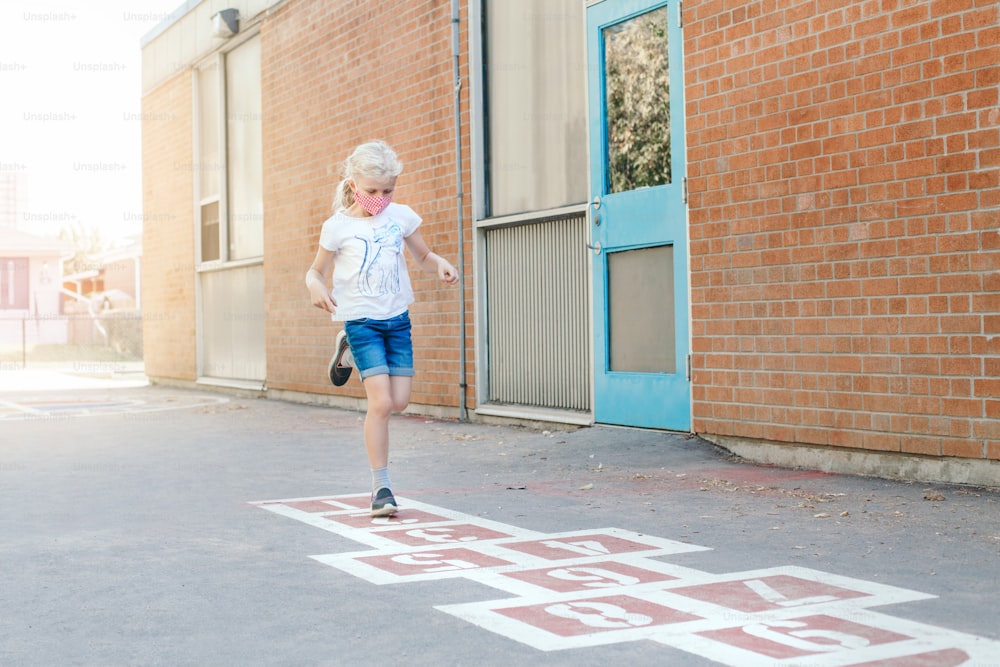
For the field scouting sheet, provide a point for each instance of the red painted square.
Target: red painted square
(357, 501)
(316, 505)
(428, 562)
(808, 635)
(457, 533)
(593, 576)
(606, 614)
(767, 593)
(404, 517)
(579, 546)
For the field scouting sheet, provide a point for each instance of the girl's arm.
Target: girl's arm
(318, 279)
(430, 262)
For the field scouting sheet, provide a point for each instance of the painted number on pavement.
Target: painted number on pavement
(596, 587)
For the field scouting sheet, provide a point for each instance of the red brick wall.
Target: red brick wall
(843, 161)
(168, 231)
(335, 74)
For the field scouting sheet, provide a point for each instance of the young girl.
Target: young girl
(363, 243)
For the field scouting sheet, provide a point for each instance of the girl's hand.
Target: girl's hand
(321, 297)
(318, 279)
(429, 261)
(446, 272)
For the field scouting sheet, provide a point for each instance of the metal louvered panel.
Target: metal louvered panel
(537, 295)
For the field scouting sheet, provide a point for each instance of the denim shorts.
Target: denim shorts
(381, 347)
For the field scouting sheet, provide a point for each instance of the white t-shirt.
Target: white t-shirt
(369, 266)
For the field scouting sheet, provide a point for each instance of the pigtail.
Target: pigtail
(344, 197)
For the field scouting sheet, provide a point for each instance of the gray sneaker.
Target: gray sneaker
(383, 504)
(342, 362)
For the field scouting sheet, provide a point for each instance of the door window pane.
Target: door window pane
(244, 151)
(536, 105)
(637, 102)
(641, 310)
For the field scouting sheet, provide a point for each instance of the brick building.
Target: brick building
(772, 223)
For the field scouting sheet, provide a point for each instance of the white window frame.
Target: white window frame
(223, 262)
(482, 224)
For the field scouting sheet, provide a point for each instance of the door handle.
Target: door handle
(596, 219)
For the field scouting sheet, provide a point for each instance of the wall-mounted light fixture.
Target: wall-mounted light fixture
(226, 23)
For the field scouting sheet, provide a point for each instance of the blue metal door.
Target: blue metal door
(638, 214)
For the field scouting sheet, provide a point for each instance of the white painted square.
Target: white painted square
(600, 575)
(598, 544)
(352, 501)
(613, 613)
(404, 517)
(767, 593)
(417, 565)
(576, 622)
(844, 638)
(318, 505)
(804, 636)
(443, 534)
(746, 595)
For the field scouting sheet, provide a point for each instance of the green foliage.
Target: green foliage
(638, 102)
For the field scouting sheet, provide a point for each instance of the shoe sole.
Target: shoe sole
(385, 510)
(339, 374)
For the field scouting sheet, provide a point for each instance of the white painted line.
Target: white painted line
(594, 587)
(337, 499)
(88, 409)
(18, 407)
(427, 564)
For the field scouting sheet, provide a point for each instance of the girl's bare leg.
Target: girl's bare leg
(386, 394)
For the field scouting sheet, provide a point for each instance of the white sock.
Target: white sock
(380, 479)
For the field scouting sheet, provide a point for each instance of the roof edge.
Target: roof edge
(170, 19)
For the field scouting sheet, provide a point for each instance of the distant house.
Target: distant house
(30, 284)
(111, 279)
(102, 301)
(121, 270)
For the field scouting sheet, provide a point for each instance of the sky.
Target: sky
(70, 104)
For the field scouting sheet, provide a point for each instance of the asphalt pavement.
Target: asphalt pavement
(146, 525)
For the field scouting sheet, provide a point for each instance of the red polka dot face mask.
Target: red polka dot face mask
(373, 204)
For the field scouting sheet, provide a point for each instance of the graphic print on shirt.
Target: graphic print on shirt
(379, 273)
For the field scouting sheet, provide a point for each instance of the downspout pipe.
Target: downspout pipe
(459, 195)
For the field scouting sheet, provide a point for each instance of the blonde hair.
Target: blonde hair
(373, 159)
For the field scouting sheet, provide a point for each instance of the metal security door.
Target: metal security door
(638, 215)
